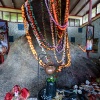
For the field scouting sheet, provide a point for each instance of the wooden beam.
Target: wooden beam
(9, 9)
(74, 6)
(92, 7)
(13, 3)
(2, 3)
(82, 7)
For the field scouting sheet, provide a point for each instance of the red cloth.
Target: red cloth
(8, 96)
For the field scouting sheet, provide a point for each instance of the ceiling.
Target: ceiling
(81, 7)
(77, 7)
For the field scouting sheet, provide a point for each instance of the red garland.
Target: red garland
(66, 13)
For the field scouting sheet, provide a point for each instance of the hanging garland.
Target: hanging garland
(43, 21)
(55, 51)
(29, 39)
(53, 41)
(57, 32)
(35, 27)
(55, 20)
(36, 34)
(59, 45)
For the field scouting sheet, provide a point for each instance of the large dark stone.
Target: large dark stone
(51, 89)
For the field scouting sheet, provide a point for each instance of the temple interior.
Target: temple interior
(49, 49)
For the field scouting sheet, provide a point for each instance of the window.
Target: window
(0, 14)
(93, 12)
(72, 22)
(73, 39)
(80, 30)
(11, 38)
(98, 8)
(68, 23)
(6, 16)
(77, 22)
(20, 19)
(13, 17)
(85, 18)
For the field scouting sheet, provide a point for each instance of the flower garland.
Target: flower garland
(53, 40)
(58, 45)
(33, 49)
(34, 25)
(29, 39)
(36, 35)
(59, 48)
(59, 10)
(35, 28)
(55, 20)
(66, 12)
(66, 46)
(68, 63)
(43, 21)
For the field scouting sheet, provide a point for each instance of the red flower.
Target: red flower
(25, 93)
(8, 96)
(16, 88)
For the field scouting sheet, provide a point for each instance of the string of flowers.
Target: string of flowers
(32, 46)
(55, 27)
(36, 35)
(29, 39)
(53, 41)
(68, 63)
(61, 47)
(58, 11)
(58, 32)
(41, 47)
(55, 20)
(34, 25)
(43, 21)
